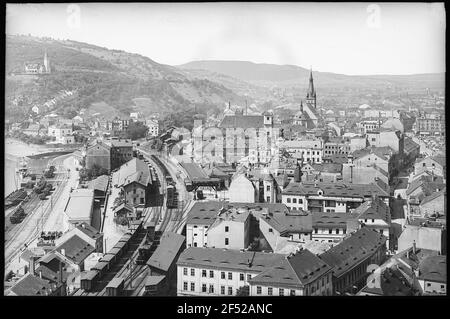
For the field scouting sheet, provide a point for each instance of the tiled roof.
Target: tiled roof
(165, 254)
(331, 220)
(433, 196)
(295, 271)
(290, 222)
(334, 168)
(334, 189)
(383, 152)
(227, 259)
(205, 213)
(135, 170)
(76, 249)
(100, 183)
(434, 268)
(353, 250)
(89, 230)
(373, 209)
(31, 285)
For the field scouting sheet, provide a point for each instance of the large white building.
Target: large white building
(221, 272)
(329, 197)
(310, 150)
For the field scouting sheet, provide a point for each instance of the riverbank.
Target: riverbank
(15, 148)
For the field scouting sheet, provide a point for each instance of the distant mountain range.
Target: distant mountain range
(291, 75)
(112, 83)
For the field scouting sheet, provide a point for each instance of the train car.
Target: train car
(116, 251)
(89, 280)
(172, 198)
(115, 287)
(144, 254)
(122, 246)
(109, 258)
(102, 267)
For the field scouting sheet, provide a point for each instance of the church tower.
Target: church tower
(46, 63)
(311, 94)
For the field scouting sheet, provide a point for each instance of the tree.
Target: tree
(243, 291)
(136, 130)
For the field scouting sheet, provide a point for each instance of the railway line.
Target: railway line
(129, 267)
(39, 210)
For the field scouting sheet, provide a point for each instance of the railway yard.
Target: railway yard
(123, 267)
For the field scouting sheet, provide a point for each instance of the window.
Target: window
(428, 285)
(226, 241)
(292, 292)
(227, 229)
(249, 277)
(258, 290)
(185, 272)
(204, 273)
(373, 220)
(195, 244)
(241, 277)
(270, 230)
(222, 290)
(269, 291)
(230, 275)
(211, 289)
(337, 231)
(192, 286)
(300, 201)
(288, 200)
(281, 292)
(192, 272)
(185, 285)
(330, 231)
(203, 287)
(230, 290)
(268, 188)
(222, 275)
(211, 274)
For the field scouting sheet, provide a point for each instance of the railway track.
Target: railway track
(45, 207)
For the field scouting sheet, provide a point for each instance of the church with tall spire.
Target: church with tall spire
(308, 116)
(311, 94)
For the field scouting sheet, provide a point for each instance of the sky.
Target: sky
(347, 38)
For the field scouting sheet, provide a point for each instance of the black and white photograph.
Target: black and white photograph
(221, 149)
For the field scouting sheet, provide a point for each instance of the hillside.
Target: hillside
(100, 75)
(291, 75)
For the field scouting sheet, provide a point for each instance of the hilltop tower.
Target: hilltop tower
(311, 94)
(46, 63)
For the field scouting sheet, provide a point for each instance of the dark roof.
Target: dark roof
(328, 167)
(397, 211)
(353, 250)
(290, 222)
(384, 152)
(373, 209)
(169, 247)
(89, 231)
(433, 196)
(76, 249)
(334, 189)
(228, 259)
(242, 121)
(100, 183)
(434, 268)
(294, 271)
(50, 274)
(331, 220)
(205, 213)
(31, 285)
(194, 171)
(392, 283)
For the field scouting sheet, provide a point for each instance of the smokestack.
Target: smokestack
(414, 247)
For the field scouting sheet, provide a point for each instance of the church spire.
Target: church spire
(311, 94)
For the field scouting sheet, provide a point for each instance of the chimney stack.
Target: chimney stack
(414, 247)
